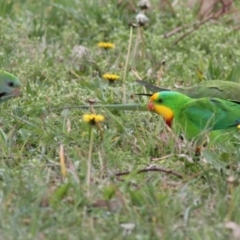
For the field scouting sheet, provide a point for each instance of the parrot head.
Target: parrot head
(167, 104)
(9, 86)
(159, 103)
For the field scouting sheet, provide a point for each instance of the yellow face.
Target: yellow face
(156, 104)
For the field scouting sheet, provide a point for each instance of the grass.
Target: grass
(38, 199)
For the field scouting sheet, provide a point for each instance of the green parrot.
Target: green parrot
(9, 86)
(195, 116)
(213, 88)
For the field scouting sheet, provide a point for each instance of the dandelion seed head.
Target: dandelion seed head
(144, 4)
(142, 19)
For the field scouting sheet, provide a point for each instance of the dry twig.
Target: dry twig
(152, 169)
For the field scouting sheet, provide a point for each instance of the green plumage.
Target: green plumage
(194, 116)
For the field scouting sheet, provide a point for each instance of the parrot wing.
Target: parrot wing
(214, 88)
(210, 114)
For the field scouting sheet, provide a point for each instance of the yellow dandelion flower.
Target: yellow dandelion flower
(106, 45)
(93, 118)
(110, 77)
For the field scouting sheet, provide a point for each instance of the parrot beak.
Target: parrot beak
(151, 106)
(5, 96)
(16, 92)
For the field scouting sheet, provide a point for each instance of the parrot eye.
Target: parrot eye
(159, 100)
(10, 84)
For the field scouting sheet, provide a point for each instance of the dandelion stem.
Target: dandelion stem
(136, 45)
(126, 64)
(92, 109)
(142, 43)
(112, 101)
(62, 162)
(89, 163)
